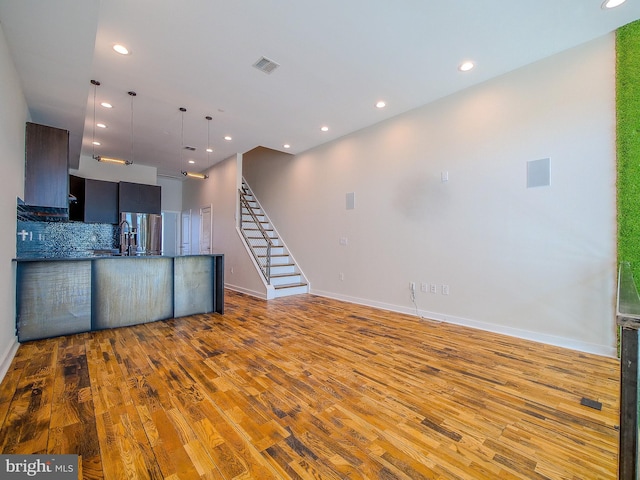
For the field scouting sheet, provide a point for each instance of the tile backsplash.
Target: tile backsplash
(51, 239)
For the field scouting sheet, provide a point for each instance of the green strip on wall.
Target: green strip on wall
(628, 144)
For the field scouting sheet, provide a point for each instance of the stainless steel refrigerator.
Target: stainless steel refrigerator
(140, 234)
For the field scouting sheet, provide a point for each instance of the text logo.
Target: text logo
(51, 467)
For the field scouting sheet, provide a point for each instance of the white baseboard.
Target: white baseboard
(7, 357)
(569, 343)
(246, 291)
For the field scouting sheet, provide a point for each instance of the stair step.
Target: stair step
(285, 278)
(284, 275)
(281, 265)
(276, 261)
(281, 258)
(254, 230)
(290, 285)
(257, 229)
(293, 290)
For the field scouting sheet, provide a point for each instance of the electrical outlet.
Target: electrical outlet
(434, 288)
(424, 287)
(341, 276)
(445, 289)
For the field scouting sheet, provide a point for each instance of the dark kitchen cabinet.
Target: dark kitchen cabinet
(136, 197)
(46, 166)
(96, 200)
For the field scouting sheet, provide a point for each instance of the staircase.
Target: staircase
(279, 270)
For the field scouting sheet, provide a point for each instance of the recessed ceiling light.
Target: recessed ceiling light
(192, 161)
(101, 125)
(324, 129)
(209, 150)
(96, 143)
(466, 66)
(228, 138)
(106, 105)
(612, 3)
(286, 145)
(121, 49)
(381, 104)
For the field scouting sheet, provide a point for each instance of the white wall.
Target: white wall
(536, 263)
(171, 193)
(13, 116)
(171, 202)
(221, 191)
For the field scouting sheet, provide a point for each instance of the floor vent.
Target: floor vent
(587, 402)
(265, 65)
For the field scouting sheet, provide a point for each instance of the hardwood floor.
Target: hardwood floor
(307, 387)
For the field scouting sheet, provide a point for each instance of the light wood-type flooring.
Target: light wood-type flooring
(312, 388)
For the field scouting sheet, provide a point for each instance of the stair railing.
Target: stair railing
(264, 264)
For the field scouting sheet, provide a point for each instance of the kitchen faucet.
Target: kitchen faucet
(127, 242)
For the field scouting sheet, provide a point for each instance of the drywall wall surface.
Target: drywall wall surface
(13, 116)
(171, 193)
(440, 197)
(220, 191)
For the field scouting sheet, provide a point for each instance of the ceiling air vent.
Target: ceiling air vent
(265, 65)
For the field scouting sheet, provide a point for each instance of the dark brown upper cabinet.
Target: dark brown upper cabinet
(96, 200)
(139, 198)
(46, 166)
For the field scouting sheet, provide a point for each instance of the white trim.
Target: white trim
(246, 291)
(563, 342)
(7, 358)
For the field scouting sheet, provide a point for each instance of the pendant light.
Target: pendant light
(100, 158)
(132, 94)
(200, 176)
(95, 84)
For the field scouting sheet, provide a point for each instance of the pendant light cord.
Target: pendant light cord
(182, 109)
(132, 94)
(95, 84)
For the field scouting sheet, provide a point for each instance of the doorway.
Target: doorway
(206, 229)
(185, 244)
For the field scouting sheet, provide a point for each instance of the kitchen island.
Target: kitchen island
(61, 296)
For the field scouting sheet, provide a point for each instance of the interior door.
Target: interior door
(206, 229)
(185, 245)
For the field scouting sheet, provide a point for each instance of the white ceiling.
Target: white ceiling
(337, 58)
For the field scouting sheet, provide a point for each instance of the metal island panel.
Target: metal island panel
(132, 290)
(193, 286)
(54, 299)
(60, 296)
